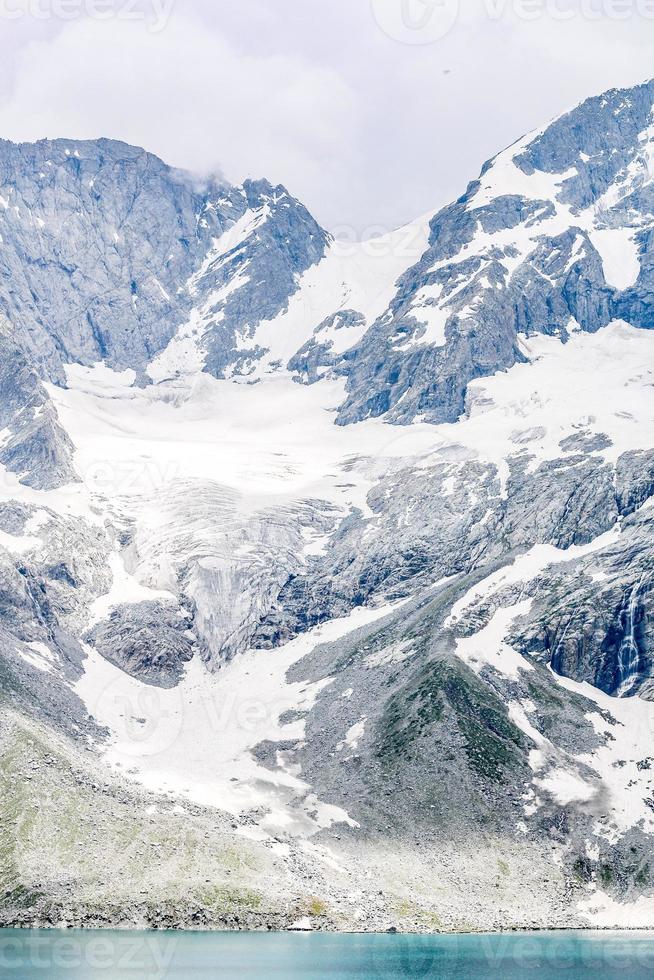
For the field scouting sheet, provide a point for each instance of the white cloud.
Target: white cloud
(186, 94)
(364, 128)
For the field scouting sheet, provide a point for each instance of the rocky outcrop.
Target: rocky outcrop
(149, 640)
(34, 445)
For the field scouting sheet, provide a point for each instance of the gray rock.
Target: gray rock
(148, 640)
(36, 448)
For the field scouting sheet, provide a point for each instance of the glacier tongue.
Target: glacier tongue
(223, 492)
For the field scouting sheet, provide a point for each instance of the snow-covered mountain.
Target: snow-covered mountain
(325, 569)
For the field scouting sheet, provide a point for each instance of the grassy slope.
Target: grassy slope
(76, 846)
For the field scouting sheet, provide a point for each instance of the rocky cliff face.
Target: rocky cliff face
(105, 249)
(553, 237)
(347, 546)
(34, 447)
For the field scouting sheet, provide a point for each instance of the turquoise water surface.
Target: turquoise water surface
(117, 955)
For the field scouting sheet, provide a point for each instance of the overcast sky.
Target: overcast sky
(370, 111)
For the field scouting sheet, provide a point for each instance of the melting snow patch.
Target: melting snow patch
(524, 569)
(566, 787)
(604, 912)
(393, 654)
(619, 254)
(17, 544)
(301, 925)
(39, 656)
(352, 736)
(487, 647)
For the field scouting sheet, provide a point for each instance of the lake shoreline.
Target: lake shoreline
(507, 931)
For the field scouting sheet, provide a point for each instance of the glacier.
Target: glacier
(325, 568)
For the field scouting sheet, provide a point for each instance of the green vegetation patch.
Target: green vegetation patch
(317, 907)
(542, 696)
(220, 898)
(492, 742)
(426, 917)
(642, 875)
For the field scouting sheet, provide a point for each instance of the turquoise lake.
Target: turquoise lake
(62, 955)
